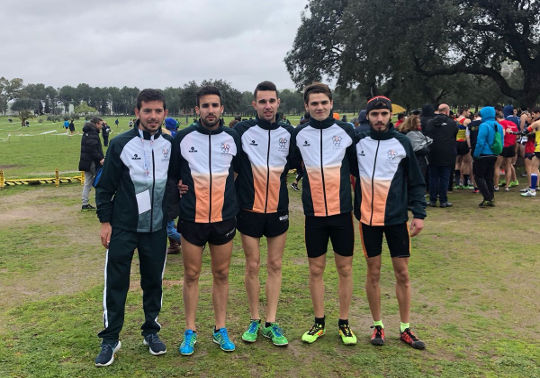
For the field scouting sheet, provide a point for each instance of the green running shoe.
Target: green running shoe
(316, 331)
(513, 183)
(347, 335)
(250, 336)
(275, 333)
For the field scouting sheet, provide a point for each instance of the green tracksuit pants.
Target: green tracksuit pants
(152, 251)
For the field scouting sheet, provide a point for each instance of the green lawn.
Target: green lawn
(474, 279)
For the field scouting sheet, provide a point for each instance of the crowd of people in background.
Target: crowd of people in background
(456, 149)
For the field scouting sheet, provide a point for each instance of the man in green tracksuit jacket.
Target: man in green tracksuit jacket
(130, 198)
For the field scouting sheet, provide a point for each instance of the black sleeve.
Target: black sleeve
(174, 174)
(109, 182)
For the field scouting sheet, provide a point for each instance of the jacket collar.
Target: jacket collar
(264, 124)
(204, 130)
(382, 135)
(322, 124)
(145, 134)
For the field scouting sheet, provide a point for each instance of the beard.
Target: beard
(210, 124)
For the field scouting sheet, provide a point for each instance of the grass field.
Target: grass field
(474, 278)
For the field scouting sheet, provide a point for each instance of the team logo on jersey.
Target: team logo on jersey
(306, 144)
(362, 153)
(135, 157)
(192, 149)
(391, 155)
(283, 143)
(336, 139)
(225, 148)
(253, 143)
(165, 152)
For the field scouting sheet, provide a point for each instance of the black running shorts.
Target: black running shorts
(397, 238)
(462, 148)
(509, 151)
(257, 225)
(216, 233)
(338, 228)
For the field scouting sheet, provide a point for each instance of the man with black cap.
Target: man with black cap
(390, 182)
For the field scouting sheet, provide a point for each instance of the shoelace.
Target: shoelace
(278, 331)
(346, 330)
(378, 333)
(224, 335)
(410, 334)
(316, 328)
(253, 326)
(189, 337)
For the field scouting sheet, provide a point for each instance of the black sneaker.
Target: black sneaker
(155, 345)
(432, 204)
(87, 207)
(106, 356)
(446, 204)
(295, 186)
(409, 338)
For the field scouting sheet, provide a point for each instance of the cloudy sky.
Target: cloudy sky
(152, 43)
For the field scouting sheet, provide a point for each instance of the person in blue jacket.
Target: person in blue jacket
(484, 157)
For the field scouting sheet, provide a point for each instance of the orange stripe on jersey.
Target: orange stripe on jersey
(201, 183)
(259, 185)
(374, 203)
(219, 180)
(273, 189)
(362, 240)
(316, 189)
(332, 181)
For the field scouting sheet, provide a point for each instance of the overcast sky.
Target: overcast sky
(153, 43)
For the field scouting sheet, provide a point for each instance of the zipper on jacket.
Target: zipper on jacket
(210, 172)
(322, 177)
(267, 172)
(153, 187)
(373, 181)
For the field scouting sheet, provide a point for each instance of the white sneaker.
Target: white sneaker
(529, 193)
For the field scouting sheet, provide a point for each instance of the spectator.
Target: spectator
(443, 130)
(485, 157)
(91, 157)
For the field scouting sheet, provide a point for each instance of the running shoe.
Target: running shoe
(507, 189)
(524, 190)
(275, 333)
(408, 337)
(87, 207)
(476, 190)
(469, 187)
(347, 335)
(250, 336)
(529, 193)
(106, 355)
(459, 187)
(295, 186)
(154, 344)
(513, 183)
(316, 331)
(496, 188)
(188, 345)
(377, 338)
(221, 337)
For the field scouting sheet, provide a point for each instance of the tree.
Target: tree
(230, 97)
(418, 46)
(25, 107)
(84, 108)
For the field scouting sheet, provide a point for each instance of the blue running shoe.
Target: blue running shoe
(221, 337)
(188, 345)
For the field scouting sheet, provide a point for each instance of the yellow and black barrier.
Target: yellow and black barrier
(57, 180)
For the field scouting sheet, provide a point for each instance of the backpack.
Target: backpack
(497, 145)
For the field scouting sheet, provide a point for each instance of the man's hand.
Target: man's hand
(102, 161)
(183, 189)
(105, 234)
(416, 226)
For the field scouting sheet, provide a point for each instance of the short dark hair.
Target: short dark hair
(265, 86)
(536, 109)
(95, 120)
(208, 90)
(148, 95)
(463, 109)
(316, 88)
